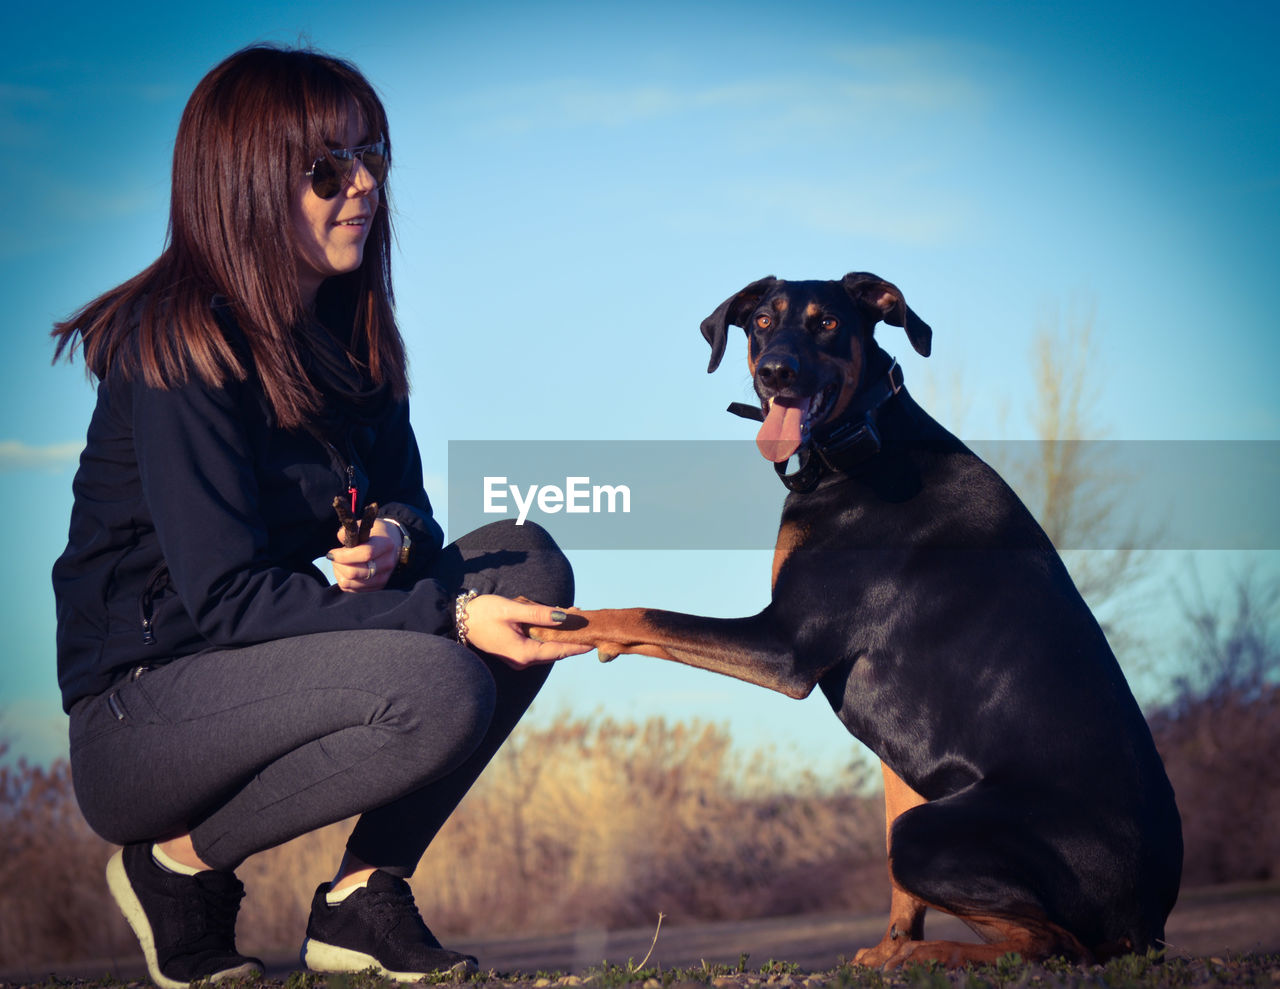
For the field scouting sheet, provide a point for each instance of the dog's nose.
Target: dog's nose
(777, 372)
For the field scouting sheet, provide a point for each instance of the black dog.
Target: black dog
(1023, 791)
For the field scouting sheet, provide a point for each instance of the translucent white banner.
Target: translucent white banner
(640, 494)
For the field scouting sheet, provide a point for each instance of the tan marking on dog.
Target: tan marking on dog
(906, 912)
(781, 304)
(1031, 936)
(851, 371)
(790, 536)
(811, 310)
(898, 799)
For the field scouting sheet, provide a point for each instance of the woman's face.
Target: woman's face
(329, 234)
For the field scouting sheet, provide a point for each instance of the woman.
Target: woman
(223, 697)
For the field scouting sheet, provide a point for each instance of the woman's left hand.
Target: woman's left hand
(367, 567)
(500, 626)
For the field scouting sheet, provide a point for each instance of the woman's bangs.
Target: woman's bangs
(331, 103)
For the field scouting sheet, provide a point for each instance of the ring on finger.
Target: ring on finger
(373, 569)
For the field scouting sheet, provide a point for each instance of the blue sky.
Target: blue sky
(577, 184)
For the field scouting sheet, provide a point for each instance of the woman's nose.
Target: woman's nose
(361, 181)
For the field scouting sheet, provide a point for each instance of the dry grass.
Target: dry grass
(51, 892)
(585, 822)
(609, 822)
(591, 823)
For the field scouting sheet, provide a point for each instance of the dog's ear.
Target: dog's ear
(732, 312)
(885, 302)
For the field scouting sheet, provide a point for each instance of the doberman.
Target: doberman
(1023, 791)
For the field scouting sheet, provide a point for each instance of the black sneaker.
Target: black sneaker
(185, 924)
(376, 927)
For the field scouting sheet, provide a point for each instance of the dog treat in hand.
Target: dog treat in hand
(354, 533)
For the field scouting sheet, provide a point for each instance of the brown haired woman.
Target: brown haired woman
(224, 697)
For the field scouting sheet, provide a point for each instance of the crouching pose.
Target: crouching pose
(225, 697)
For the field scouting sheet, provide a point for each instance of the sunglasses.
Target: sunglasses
(332, 171)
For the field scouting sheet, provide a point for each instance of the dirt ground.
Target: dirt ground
(1216, 922)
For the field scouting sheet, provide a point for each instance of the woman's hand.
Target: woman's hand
(500, 626)
(367, 567)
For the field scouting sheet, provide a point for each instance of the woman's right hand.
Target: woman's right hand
(367, 567)
(500, 626)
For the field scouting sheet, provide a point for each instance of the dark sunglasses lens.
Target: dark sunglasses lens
(376, 163)
(326, 179)
(331, 173)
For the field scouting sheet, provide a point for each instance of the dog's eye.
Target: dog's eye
(829, 322)
(764, 321)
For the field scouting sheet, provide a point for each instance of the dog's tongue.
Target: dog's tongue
(779, 437)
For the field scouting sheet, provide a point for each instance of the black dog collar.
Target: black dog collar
(849, 443)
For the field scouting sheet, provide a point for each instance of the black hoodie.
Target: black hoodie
(196, 522)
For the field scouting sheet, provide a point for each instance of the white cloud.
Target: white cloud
(872, 210)
(852, 84)
(16, 455)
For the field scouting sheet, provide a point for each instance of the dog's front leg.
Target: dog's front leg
(751, 649)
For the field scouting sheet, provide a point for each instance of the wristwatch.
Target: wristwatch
(405, 541)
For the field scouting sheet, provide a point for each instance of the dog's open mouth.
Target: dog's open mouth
(787, 422)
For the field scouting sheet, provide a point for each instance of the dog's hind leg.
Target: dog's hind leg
(993, 857)
(906, 912)
(1032, 940)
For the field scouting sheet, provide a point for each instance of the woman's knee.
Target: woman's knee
(521, 560)
(439, 698)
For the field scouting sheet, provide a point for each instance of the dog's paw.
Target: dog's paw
(877, 955)
(578, 628)
(575, 622)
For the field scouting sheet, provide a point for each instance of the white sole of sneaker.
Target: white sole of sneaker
(320, 957)
(127, 900)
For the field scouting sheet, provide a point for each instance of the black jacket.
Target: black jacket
(196, 522)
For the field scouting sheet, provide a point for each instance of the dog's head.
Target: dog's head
(808, 344)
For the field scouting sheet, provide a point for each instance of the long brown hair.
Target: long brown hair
(249, 131)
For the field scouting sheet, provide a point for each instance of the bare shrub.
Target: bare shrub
(605, 823)
(52, 891)
(1071, 486)
(1220, 733)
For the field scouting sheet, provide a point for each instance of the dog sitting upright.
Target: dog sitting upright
(1023, 791)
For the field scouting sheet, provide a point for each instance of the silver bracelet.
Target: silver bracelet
(460, 614)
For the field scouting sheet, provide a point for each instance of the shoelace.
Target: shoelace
(209, 911)
(396, 907)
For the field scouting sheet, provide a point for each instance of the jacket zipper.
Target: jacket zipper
(154, 582)
(350, 471)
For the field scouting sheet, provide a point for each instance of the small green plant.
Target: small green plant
(926, 975)
(611, 975)
(370, 978)
(850, 976)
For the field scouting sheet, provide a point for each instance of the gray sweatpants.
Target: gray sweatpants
(247, 748)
